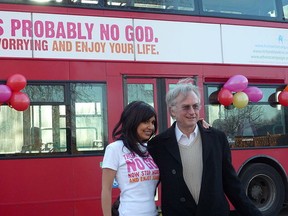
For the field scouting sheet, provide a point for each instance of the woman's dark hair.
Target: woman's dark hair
(133, 114)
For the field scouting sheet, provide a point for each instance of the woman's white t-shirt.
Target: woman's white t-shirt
(137, 178)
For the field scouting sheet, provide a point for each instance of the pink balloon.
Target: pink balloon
(5, 93)
(236, 83)
(254, 93)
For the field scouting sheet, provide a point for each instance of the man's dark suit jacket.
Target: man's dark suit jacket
(219, 177)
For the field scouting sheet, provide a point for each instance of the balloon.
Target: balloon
(5, 93)
(273, 100)
(254, 93)
(283, 98)
(19, 101)
(16, 82)
(286, 88)
(225, 97)
(213, 98)
(236, 83)
(240, 100)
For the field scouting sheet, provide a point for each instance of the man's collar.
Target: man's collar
(179, 133)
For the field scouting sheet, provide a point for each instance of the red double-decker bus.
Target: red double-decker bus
(84, 60)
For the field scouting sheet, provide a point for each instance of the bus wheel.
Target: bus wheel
(265, 188)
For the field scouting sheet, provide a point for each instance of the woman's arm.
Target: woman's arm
(108, 176)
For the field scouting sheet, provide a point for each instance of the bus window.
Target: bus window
(28, 131)
(247, 7)
(142, 92)
(185, 5)
(95, 2)
(258, 124)
(47, 125)
(46, 114)
(285, 8)
(42, 1)
(89, 115)
(11, 138)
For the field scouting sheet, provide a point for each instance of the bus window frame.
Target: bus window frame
(71, 146)
(273, 103)
(198, 10)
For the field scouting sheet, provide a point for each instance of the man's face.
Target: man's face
(186, 111)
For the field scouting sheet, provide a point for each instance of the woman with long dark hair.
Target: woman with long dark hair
(128, 161)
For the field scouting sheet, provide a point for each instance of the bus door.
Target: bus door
(152, 91)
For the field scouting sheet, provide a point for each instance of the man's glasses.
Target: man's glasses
(195, 107)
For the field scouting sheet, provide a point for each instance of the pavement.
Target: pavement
(284, 211)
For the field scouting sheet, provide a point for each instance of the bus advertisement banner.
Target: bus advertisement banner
(39, 35)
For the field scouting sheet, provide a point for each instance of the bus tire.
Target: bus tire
(265, 188)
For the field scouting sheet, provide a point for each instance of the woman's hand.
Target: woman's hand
(204, 123)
